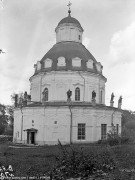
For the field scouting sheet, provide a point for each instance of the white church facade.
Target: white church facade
(67, 95)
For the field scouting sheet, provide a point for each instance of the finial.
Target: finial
(69, 4)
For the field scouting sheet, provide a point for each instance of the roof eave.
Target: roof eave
(68, 24)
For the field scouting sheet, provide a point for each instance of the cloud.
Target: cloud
(121, 67)
(86, 42)
(122, 47)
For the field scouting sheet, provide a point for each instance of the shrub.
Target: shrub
(5, 138)
(79, 164)
(124, 140)
(102, 141)
(114, 139)
(128, 134)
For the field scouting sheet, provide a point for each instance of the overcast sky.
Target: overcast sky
(27, 32)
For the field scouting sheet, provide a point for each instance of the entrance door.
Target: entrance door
(28, 137)
(32, 137)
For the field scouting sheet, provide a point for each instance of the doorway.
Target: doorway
(32, 137)
(28, 138)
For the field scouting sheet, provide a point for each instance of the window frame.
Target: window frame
(98, 66)
(117, 128)
(61, 62)
(90, 64)
(47, 63)
(38, 66)
(77, 94)
(46, 94)
(81, 131)
(103, 131)
(76, 62)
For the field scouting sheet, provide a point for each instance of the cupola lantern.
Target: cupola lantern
(69, 29)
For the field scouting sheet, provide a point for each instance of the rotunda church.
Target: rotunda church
(67, 95)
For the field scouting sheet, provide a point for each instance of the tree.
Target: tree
(9, 128)
(127, 117)
(3, 119)
(128, 125)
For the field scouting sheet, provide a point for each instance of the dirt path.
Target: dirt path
(22, 146)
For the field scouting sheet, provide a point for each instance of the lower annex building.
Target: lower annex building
(67, 95)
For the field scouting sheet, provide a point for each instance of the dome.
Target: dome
(68, 50)
(70, 19)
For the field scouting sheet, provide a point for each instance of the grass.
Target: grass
(40, 160)
(24, 160)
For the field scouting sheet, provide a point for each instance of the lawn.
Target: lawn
(117, 162)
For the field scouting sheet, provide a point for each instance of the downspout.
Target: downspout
(44, 126)
(41, 87)
(71, 122)
(112, 118)
(21, 123)
(84, 84)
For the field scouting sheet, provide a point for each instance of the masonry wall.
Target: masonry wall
(59, 83)
(53, 123)
(68, 33)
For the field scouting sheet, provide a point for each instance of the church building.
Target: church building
(67, 95)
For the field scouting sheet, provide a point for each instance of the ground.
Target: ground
(118, 161)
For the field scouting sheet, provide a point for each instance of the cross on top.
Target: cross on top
(69, 4)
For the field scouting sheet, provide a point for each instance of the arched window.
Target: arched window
(77, 94)
(45, 94)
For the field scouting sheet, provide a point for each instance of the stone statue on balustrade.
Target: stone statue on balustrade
(93, 94)
(112, 97)
(93, 97)
(69, 94)
(120, 102)
(112, 100)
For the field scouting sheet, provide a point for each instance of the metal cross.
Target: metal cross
(69, 4)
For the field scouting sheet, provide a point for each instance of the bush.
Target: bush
(80, 164)
(114, 139)
(5, 138)
(124, 140)
(102, 141)
(128, 134)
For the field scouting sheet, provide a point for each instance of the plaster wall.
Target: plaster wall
(53, 123)
(68, 33)
(58, 84)
(35, 88)
(17, 126)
